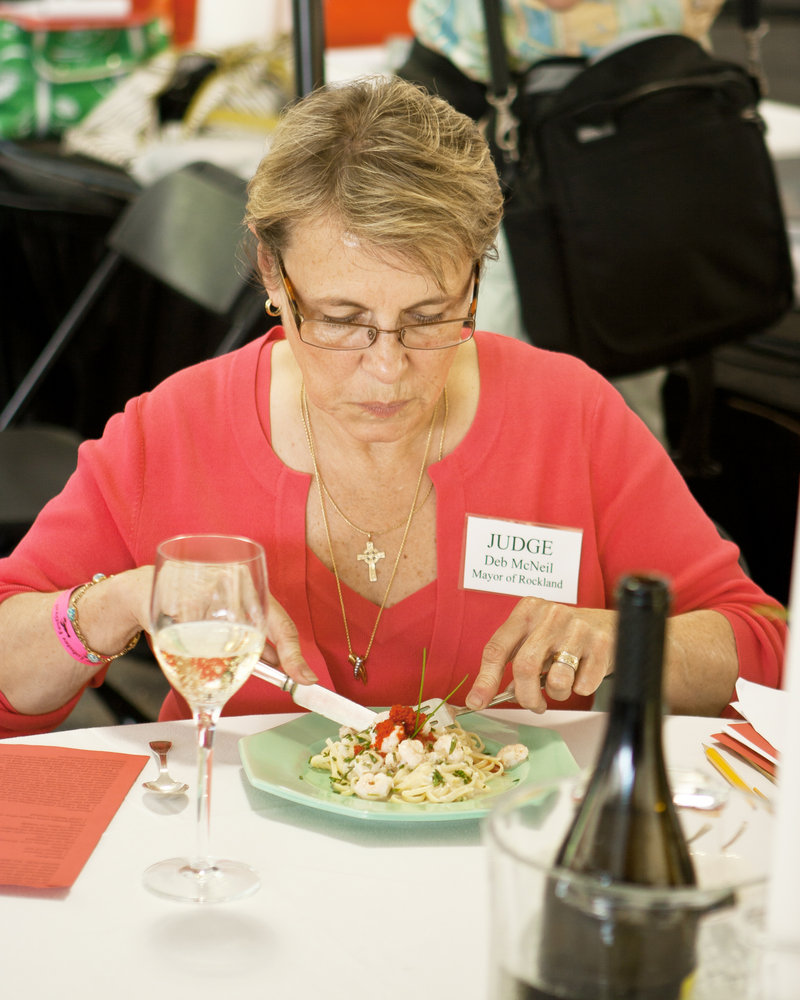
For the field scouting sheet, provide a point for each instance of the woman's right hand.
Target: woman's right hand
(283, 645)
(131, 590)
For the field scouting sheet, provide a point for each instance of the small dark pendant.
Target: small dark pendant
(359, 667)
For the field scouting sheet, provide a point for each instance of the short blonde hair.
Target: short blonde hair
(402, 171)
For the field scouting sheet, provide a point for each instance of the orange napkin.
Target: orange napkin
(55, 804)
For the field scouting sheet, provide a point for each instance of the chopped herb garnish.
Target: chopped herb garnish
(437, 778)
(418, 726)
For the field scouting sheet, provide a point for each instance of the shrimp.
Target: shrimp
(374, 786)
(449, 748)
(512, 754)
(366, 763)
(411, 753)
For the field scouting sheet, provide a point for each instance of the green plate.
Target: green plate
(276, 761)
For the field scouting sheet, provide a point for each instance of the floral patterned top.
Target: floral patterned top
(534, 30)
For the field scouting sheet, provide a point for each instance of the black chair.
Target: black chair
(184, 232)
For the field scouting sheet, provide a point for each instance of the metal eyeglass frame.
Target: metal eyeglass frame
(299, 319)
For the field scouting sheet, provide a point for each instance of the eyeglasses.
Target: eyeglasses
(341, 335)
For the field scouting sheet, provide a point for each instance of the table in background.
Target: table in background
(346, 908)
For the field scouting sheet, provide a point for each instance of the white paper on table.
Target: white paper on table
(782, 922)
(766, 709)
(783, 128)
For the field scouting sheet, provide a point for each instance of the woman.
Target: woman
(419, 491)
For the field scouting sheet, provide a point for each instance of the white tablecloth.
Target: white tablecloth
(346, 908)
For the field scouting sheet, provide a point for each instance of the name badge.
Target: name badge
(527, 560)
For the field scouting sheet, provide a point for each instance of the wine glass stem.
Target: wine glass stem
(206, 720)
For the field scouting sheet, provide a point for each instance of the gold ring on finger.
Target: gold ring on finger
(562, 656)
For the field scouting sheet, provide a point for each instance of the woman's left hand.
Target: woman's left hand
(532, 637)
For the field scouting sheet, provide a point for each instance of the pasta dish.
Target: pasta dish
(408, 756)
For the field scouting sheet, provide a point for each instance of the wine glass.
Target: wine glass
(208, 618)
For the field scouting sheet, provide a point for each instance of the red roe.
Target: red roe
(409, 718)
(399, 715)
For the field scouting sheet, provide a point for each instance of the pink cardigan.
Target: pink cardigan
(552, 443)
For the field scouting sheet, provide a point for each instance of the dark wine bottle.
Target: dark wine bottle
(625, 831)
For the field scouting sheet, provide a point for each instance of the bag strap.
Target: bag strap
(753, 30)
(502, 92)
(498, 55)
(749, 14)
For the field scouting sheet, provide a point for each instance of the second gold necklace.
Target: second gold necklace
(370, 556)
(359, 662)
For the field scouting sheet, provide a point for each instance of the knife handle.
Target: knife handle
(274, 676)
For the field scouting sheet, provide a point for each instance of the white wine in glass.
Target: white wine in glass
(208, 618)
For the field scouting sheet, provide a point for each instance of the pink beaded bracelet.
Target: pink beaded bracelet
(67, 629)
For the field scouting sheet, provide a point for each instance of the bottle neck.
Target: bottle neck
(638, 662)
(633, 734)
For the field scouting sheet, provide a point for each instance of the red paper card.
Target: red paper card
(747, 752)
(55, 804)
(745, 730)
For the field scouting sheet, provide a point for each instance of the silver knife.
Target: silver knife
(318, 699)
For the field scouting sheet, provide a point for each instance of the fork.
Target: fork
(508, 695)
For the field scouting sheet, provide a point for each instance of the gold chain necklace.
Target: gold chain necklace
(371, 555)
(359, 662)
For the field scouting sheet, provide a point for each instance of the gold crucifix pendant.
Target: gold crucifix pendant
(359, 667)
(370, 556)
